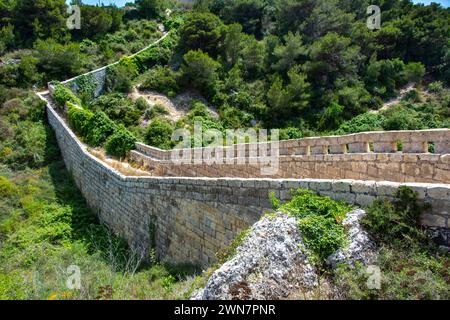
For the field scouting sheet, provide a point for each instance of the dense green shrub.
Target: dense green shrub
(320, 221)
(399, 118)
(86, 86)
(62, 94)
(142, 104)
(397, 220)
(412, 96)
(200, 72)
(364, 122)
(155, 111)
(153, 56)
(161, 79)
(118, 107)
(99, 128)
(79, 119)
(322, 235)
(159, 134)
(25, 139)
(414, 72)
(119, 78)
(436, 87)
(290, 133)
(201, 31)
(307, 202)
(7, 188)
(411, 266)
(120, 142)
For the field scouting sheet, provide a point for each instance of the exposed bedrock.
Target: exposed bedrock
(272, 262)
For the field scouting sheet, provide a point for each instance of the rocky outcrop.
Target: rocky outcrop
(360, 247)
(272, 262)
(268, 265)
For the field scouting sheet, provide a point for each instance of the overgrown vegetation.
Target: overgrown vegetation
(265, 64)
(412, 267)
(320, 221)
(46, 226)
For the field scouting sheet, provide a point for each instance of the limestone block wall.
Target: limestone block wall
(99, 75)
(193, 218)
(395, 167)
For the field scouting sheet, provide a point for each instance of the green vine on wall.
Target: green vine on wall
(86, 85)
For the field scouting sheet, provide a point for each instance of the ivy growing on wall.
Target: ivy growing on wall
(86, 86)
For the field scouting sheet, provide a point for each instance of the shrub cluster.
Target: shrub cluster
(320, 221)
(396, 220)
(97, 130)
(412, 266)
(62, 94)
(161, 79)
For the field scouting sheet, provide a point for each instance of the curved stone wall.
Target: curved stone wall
(362, 156)
(190, 219)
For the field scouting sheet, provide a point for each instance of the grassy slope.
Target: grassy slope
(45, 226)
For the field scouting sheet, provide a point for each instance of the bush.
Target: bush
(436, 87)
(397, 220)
(120, 142)
(117, 107)
(322, 235)
(99, 128)
(142, 104)
(320, 221)
(412, 96)
(290, 133)
(414, 72)
(62, 94)
(412, 268)
(306, 202)
(159, 134)
(155, 111)
(7, 188)
(200, 72)
(79, 119)
(161, 79)
(119, 78)
(156, 55)
(86, 86)
(398, 118)
(362, 123)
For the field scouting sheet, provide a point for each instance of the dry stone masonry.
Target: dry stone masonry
(361, 156)
(189, 211)
(194, 217)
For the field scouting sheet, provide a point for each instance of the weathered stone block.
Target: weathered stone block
(364, 187)
(364, 200)
(433, 220)
(342, 185)
(438, 192)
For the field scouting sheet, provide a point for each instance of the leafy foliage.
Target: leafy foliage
(118, 107)
(161, 79)
(200, 72)
(62, 95)
(119, 143)
(99, 128)
(159, 134)
(320, 221)
(397, 220)
(412, 267)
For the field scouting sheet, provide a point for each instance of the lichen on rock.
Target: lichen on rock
(269, 264)
(273, 263)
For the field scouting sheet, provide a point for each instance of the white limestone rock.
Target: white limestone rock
(270, 264)
(360, 247)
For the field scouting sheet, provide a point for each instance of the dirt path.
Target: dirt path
(176, 107)
(396, 100)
